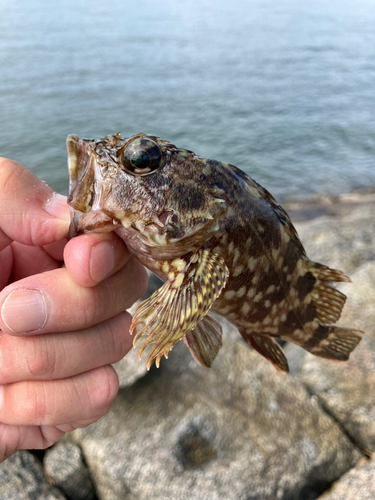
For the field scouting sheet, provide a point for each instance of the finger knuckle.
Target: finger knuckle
(32, 359)
(106, 387)
(42, 362)
(90, 308)
(43, 408)
(118, 333)
(9, 170)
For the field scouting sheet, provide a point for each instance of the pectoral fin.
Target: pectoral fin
(178, 306)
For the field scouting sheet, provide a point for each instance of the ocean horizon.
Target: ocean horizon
(283, 91)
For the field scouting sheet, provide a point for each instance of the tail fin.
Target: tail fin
(333, 342)
(320, 306)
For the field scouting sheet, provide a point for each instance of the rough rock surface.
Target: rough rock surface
(241, 430)
(346, 390)
(357, 484)
(129, 369)
(237, 431)
(65, 468)
(22, 478)
(344, 242)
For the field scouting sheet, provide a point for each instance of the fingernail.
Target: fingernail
(24, 311)
(102, 261)
(56, 205)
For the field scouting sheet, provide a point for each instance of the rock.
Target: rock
(130, 368)
(343, 242)
(153, 284)
(22, 478)
(237, 431)
(302, 208)
(357, 484)
(347, 390)
(65, 468)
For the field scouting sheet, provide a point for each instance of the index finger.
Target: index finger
(30, 211)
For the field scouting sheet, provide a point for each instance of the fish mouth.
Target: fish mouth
(81, 173)
(94, 221)
(71, 147)
(81, 168)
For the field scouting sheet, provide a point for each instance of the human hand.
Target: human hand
(61, 327)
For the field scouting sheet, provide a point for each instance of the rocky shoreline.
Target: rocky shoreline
(240, 430)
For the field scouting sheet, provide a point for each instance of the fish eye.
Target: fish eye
(142, 157)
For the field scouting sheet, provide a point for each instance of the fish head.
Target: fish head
(160, 199)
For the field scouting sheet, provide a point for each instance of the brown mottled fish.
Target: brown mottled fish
(217, 239)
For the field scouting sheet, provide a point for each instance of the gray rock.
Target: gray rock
(65, 468)
(343, 242)
(22, 478)
(347, 390)
(153, 284)
(357, 484)
(237, 431)
(130, 368)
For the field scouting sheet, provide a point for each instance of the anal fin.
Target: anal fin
(269, 348)
(204, 341)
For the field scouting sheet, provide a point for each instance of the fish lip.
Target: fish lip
(93, 221)
(81, 160)
(71, 146)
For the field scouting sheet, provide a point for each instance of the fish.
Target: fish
(220, 243)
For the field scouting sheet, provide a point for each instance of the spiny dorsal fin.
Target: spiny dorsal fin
(205, 341)
(178, 306)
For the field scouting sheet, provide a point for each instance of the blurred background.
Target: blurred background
(284, 90)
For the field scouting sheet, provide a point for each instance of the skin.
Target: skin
(55, 370)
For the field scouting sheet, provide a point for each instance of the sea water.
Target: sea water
(284, 90)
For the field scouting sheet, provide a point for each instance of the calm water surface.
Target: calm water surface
(284, 90)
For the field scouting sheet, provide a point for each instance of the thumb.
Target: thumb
(30, 211)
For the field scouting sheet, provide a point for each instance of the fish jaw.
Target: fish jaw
(81, 173)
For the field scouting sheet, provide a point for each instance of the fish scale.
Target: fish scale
(217, 239)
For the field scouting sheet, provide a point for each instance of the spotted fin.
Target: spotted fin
(327, 300)
(320, 306)
(269, 348)
(333, 342)
(177, 307)
(204, 341)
